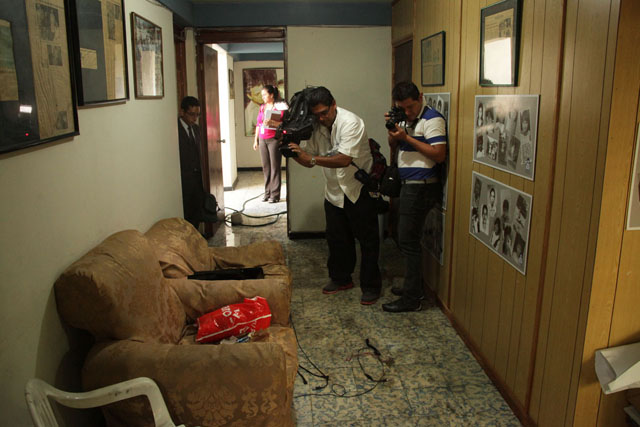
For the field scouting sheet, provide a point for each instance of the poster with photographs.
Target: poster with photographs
(253, 79)
(500, 217)
(505, 132)
(633, 219)
(441, 102)
(433, 234)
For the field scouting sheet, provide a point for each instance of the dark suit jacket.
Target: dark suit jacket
(191, 174)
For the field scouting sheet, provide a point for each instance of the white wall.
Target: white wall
(59, 200)
(355, 65)
(227, 118)
(190, 60)
(246, 157)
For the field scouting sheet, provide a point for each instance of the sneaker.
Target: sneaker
(398, 291)
(333, 287)
(369, 297)
(402, 305)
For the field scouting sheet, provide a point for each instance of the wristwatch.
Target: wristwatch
(313, 161)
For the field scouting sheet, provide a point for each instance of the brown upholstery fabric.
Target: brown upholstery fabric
(180, 248)
(200, 297)
(117, 291)
(248, 384)
(182, 251)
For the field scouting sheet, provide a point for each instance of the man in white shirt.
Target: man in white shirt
(338, 140)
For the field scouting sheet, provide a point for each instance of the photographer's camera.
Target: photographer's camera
(396, 115)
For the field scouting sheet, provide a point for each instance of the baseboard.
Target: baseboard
(305, 235)
(253, 168)
(232, 185)
(518, 410)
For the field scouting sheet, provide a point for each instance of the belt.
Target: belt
(431, 180)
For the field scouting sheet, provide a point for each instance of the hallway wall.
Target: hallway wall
(529, 330)
(61, 199)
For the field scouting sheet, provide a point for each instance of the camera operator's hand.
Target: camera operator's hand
(398, 134)
(302, 157)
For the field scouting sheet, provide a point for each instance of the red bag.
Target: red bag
(234, 320)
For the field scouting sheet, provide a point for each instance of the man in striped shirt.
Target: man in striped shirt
(419, 145)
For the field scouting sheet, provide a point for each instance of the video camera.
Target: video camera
(396, 115)
(297, 123)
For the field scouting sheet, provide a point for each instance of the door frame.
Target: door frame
(234, 35)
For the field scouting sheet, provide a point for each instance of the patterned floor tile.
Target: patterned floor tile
(432, 378)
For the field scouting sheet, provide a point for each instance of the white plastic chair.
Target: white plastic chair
(38, 392)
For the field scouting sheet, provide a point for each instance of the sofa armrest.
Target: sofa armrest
(253, 255)
(201, 296)
(201, 384)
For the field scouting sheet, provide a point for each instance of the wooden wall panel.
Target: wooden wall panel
(528, 330)
(436, 16)
(576, 211)
(402, 20)
(615, 297)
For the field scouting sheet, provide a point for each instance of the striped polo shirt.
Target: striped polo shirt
(431, 129)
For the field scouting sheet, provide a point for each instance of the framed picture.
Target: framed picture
(505, 133)
(441, 101)
(500, 218)
(100, 58)
(253, 79)
(432, 239)
(147, 46)
(432, 59)
(500, 43)
(37, 88)
(633, 216)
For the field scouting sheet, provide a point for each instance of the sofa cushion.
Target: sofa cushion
(117, 291)
(179, 247)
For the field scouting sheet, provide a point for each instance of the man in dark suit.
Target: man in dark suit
(190, 166)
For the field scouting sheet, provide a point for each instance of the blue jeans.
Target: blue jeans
(416, 200)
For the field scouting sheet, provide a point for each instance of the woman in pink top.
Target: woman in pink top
(269, 117)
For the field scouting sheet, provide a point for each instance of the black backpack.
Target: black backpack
(297, 121)
(373, 178)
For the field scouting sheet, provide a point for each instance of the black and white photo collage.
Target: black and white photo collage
(433, 229)
(433, 234)
(500, 218)
(505, 132)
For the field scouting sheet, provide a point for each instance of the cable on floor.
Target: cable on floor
(228, 222)
(339, 390)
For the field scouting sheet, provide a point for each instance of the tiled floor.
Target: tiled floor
(431, 377)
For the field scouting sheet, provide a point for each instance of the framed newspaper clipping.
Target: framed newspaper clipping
(432, 59)
(100, 53)
(36, 80)
(500, 43)
(147, 60)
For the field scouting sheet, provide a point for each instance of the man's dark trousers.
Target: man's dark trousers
(354, 221)
(415, 201)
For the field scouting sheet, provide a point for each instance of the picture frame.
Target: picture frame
(505, 133)
(253, 79)
(441, 102)
(500, 43)
(148, 62)
(100, 52)
(37, 86)
(432, 61)
(500, 218)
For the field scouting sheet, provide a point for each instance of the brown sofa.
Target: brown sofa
(182, 251)
(118, 292)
